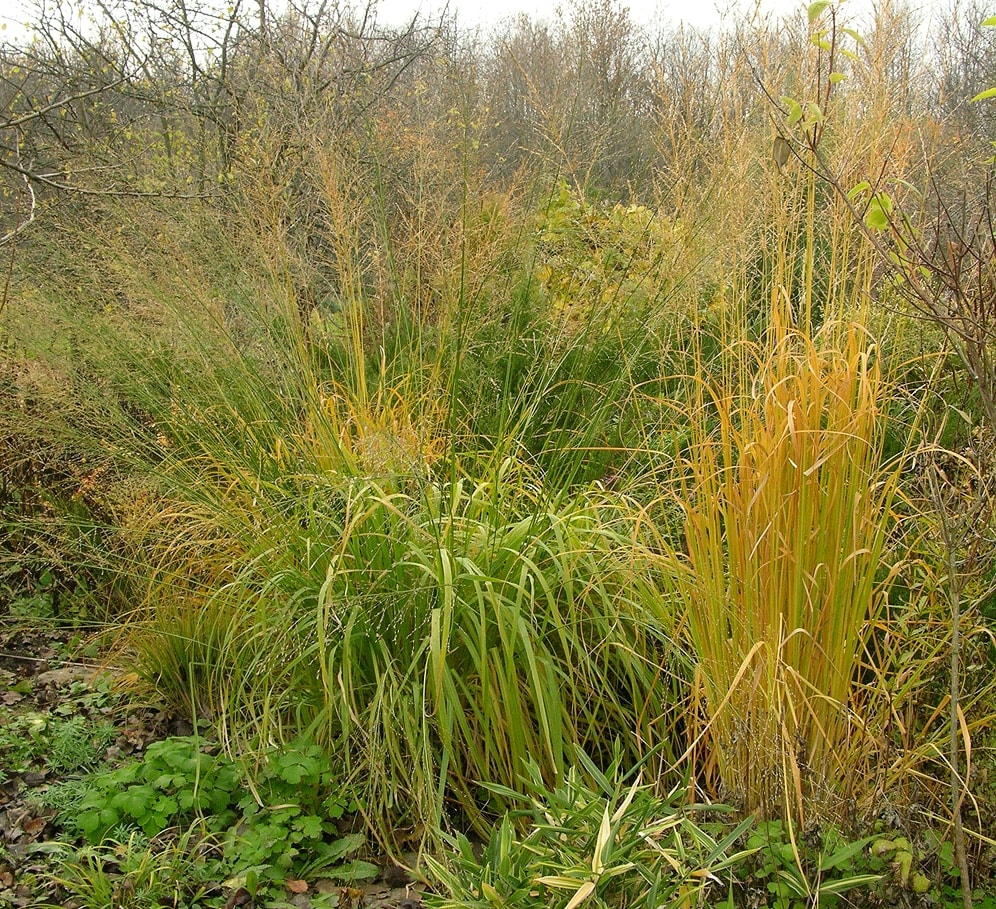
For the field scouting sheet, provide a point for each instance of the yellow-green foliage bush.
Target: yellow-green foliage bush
(598, 263)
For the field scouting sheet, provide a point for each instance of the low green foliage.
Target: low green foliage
(175, 782)
(21, 740)
(27, 597)
(786, 871)
(616, 844)
(136, 873)
(924, 869)
(278, 820)
(79, 743)
(61, 744)
(606, 844)
(785, 868)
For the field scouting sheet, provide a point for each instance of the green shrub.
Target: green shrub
(276, 820)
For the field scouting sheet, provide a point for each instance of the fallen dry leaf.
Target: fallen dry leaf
(297, 886)
(240, 897)
(34, 826)
(349, 897)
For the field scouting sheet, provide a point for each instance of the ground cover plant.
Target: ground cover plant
(557, 462)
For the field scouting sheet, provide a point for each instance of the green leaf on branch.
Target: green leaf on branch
(794, 114)
(857, 190)
(816, 10)
(879, 212)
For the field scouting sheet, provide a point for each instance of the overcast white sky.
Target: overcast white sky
(471, 13)
(699, 13)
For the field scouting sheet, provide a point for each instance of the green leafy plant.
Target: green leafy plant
(177, 780)
(277, 820)
(63, 744)
(79, 743)
(36, 602)
(925, 868)
(290, 821)
(603, 844)
(22, 740)
(786, 873)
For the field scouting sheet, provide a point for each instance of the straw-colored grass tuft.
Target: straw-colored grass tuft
(786, 512)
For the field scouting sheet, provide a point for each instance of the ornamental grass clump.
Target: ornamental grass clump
(434, 641)
(787, 508)
(465, 634)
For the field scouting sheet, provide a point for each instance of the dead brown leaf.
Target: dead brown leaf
(350, 897)
(35, 826)
(240, 897)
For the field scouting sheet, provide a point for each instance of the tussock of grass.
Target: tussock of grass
(436, 640)
(787, 513)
